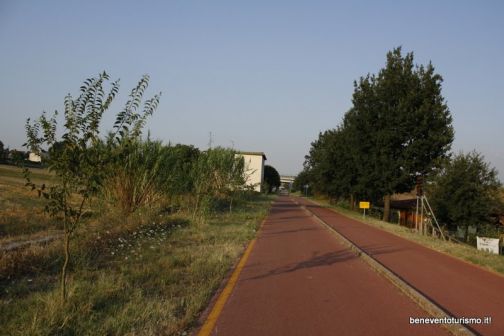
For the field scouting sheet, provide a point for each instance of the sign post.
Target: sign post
(364, 205)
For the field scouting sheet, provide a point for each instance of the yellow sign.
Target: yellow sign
(364, 205)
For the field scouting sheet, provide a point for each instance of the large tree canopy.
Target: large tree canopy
(398, 128)
(271, 178)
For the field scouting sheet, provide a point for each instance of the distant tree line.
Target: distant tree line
(11, 155)
(4, 153)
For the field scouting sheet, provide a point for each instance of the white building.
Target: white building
(32, 157)
(254, 168)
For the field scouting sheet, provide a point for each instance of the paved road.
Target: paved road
(299, 280)
(461, 289)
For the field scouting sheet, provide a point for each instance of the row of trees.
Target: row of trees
(11, 155)
(399, 128)
(398, 132)
(122, 168)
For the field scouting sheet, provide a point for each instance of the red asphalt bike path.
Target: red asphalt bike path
(459, 288)
(300, 280)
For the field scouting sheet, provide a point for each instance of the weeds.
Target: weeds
(150, 273)
(121, 249)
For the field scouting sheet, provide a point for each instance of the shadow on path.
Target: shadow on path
(326, 259)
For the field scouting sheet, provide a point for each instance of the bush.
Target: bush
(218, 176)
(466, 193)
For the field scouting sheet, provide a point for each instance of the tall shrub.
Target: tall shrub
(79, 158)
(219, 174)
(134, 174)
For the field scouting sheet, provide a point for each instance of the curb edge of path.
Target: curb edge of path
(425, 303)
(210, 315)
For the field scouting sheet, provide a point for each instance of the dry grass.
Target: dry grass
(21, 211)
(491, 262)
(149, 274)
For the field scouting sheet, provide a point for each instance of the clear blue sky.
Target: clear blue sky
(260, 75)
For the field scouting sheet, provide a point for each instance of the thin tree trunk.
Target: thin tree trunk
(65, 266)
(386, 208)
(352, 202)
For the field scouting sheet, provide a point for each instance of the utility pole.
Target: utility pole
(419, 195)
(210, 140)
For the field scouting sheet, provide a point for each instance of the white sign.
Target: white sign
(488, 244)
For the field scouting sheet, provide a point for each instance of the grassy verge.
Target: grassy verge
(21, 212)
(148, 275)
(492, 262)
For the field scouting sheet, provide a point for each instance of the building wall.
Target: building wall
(34, 157)
(407, 218)
(254, 170)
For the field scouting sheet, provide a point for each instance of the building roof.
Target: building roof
(252, 153)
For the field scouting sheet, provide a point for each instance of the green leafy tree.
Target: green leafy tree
(319, 163)
(56, 149)
(401, 126)
(302, 179)
(81, 161)
(358, 172)
(466, 192)
(329, 163)
(271, 178)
